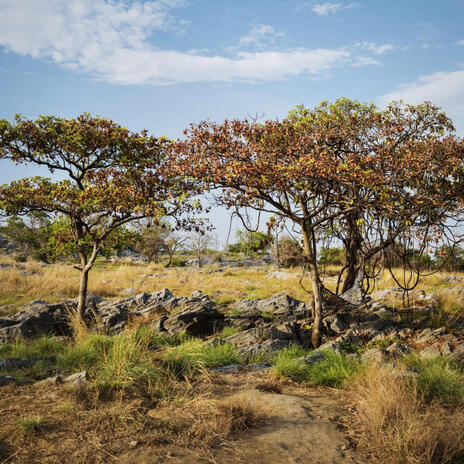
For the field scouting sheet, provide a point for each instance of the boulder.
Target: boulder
(199, 318)
(431, 351)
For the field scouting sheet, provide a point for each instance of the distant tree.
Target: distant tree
(332, 256)
(152, 239)
(450, 258)
(173, 245)
(287, 252)
(114, 176)
(250, 242)
(199, 244)
(30, 234)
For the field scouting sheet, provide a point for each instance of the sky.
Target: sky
(163, 64)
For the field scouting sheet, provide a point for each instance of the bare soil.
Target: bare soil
(303, 426)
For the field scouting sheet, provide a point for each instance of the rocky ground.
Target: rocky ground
(302, 424)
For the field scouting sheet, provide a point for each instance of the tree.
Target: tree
(152, 239)
(335, 165)
(199, 244)
(287, 252)
(251, 242)
(279, 168)
(113, 176)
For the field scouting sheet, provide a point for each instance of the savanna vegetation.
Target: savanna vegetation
(355, 198)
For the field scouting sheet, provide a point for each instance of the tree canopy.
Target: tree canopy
(111, 176)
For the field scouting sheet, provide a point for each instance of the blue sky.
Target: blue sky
(161, 64)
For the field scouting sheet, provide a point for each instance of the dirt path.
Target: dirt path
(303, 427)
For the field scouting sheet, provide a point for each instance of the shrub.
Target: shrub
(331, 371)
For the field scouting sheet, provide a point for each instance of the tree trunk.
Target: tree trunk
(353, 244)
(310, 258)
(82, 300)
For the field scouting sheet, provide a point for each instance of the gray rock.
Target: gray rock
(397, 350)
(374, 355)
(78, 375)
(458, 353)
(200, 318)
(431, 351)
(18, 363)
(236, 368)
(268, 347)
(57, 379)
(426, 336)
(331, 345)
(313, 358)
(6, 380)
(338, 325)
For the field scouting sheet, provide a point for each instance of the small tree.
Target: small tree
(250, 242)
(199, 244)
(113, 176)
(288, 252)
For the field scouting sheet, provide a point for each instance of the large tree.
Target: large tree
(108, 176)
(330, 165)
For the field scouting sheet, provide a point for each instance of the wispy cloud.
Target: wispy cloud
(460, 42)
(112, 40)
(324, 9)
(377, 49)
(260, 35)
(445, 89)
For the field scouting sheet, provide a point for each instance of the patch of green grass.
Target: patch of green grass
(349, 347)
(193, 356)
(226, 300)
(44, 346)
(331, 371)
(438, 379)
(30, 424)
(382, 343)
(268, 315)
(235, 312)
(228, 331)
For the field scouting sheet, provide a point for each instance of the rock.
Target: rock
(199, 319)
(39, 318)
(330, 345)
(6, 380)
(374, 355)
(397, 350)
(425, 336)
(313, 358)
(281, 275)
(338, 325)
(78, 375)
(279, 304)
(430, 351)
(79, 383)
(458, 353)
(57, 379)
(18, 363)
(236, 368)
(265, 348)
(445, 349)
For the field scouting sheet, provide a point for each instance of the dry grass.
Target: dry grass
(212, 421)
(396, 425)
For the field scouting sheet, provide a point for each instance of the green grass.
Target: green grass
(438, 379)
(228, 331)
(30, 424)
(193, 356)
(332, 371)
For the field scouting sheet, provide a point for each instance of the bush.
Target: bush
(288, 253)
(438, 379)
(331, 371)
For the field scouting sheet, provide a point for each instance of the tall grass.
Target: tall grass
(331, 371)
(397, 423)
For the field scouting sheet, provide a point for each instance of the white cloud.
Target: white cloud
(324, 9)
(444, 89)
(460, 42)
(110, 41)
(377, 49)
(260, 35)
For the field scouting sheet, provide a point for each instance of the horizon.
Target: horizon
(163, 64)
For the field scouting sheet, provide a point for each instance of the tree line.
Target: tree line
(387, 184)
